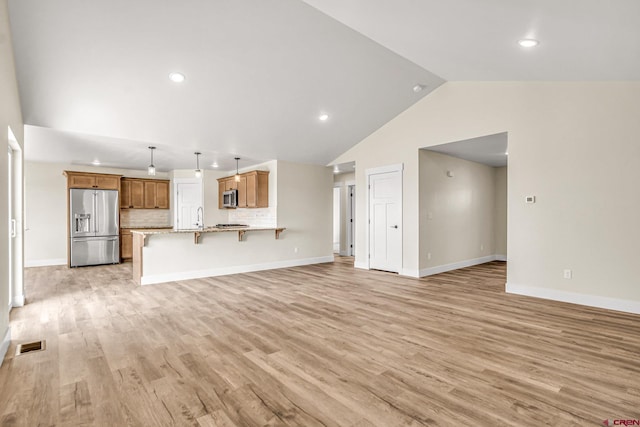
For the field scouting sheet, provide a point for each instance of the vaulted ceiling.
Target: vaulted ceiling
(94, 83)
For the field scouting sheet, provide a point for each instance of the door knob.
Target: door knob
(393, 226)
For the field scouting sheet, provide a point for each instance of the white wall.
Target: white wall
(46, 209)
(457, 214)
(10, 116)
(572, 145)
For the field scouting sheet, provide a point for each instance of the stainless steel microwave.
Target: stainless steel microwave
(230, 199)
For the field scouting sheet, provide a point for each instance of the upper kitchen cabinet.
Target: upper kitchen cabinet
(156, 194)
(92, 180)
(253, 189)
(144, 194)
(132, 196)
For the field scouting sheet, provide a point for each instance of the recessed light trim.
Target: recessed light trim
(215, 165)
(528, 42)
(418, 88)
(323, 117)
(177, 77)
(96, 163)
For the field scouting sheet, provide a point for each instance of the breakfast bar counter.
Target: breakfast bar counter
(166, 255)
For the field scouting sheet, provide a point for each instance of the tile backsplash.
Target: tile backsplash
(145, 218)
(261, 217)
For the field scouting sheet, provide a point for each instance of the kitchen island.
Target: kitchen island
(170, 255)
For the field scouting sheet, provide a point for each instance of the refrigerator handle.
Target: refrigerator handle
(95, 212)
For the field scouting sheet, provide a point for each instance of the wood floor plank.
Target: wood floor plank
(318, 345)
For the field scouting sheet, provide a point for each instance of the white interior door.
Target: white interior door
(385, 221)
(188, 203)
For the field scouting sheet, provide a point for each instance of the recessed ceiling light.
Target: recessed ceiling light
(96, 163)
(528, 42)
(418, 88)
(506, 153)
(214, 165)
(176, 77)
(336, 169)
(324, 117)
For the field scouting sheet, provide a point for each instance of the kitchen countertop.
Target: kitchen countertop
(152, 227)
(144, 230)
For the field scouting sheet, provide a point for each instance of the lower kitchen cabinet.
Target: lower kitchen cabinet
(126, 245)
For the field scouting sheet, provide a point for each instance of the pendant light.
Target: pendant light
(151, 170)
(198, 171)
(237, 177)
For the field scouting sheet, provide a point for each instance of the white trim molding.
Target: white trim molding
(45, 262)
(4, 344)
(501, 258)
(18, 301)
(454, 266)
(223, 271)
(575, 298)
(361, 265)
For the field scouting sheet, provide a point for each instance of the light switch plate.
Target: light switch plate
(530, 199)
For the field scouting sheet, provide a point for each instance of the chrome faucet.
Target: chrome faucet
(200, 219)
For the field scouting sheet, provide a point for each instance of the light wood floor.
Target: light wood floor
(321, 345)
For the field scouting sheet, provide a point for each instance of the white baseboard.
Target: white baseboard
(456, 265)
(45, 262)
(410, 272)
(501, 258)
(18, 301)
(343, 253)
(361, 265)
(575, 298)
(4, 344)
(223, 271)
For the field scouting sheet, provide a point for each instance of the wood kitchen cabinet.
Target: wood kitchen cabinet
(144, 194)
(126, 244)
(92, 180)
(132, 194)
(156, 194)
(253, 189)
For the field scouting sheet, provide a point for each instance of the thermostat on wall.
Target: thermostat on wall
(530, 199)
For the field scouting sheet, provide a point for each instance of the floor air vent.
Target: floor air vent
(30, 347)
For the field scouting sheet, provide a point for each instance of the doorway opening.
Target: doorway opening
(344, 184)
(351, 218)
(336, 219)
(463, 203)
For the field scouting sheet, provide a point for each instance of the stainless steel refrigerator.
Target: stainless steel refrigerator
(93, 216)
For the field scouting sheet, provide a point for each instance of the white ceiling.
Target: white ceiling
(477, 40)
(94, 81)
(490, 150)
(258, 75)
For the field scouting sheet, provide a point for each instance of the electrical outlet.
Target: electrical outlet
(428, 255)
(295, 250)
(482, 247)
(567, 274)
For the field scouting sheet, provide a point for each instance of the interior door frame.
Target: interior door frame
(174, 206)
(350, 218)
(398, 167)
(17, 206)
